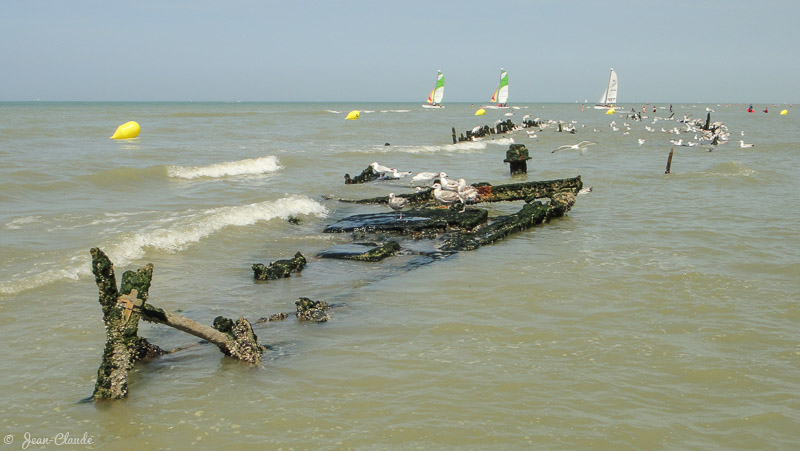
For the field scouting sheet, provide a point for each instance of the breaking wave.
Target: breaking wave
(252, 166)
(174, 234)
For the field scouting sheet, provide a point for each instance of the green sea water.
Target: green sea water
(660, 313)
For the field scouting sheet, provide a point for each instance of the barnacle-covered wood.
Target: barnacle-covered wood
(279, 268)
(122, 310)
(488, 192)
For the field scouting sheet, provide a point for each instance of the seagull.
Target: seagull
(446, 184)
(397, 203)
(447, 197)
(743, 145)
(424, 177)
(677, 142)
(398, 175)
(579, 147)
(380, 168)
(467, 193)
(641, 141)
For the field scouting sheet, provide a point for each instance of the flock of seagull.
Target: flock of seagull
(717, 132)
(449, 192)
(445, 190)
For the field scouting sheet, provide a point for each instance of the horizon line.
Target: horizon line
(390, 101)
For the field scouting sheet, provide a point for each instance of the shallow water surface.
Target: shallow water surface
(660, 313)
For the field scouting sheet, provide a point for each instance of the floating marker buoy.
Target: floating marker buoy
(127, 130)
(480, 112)
(353, 115)
(610, 111)
(784, 112)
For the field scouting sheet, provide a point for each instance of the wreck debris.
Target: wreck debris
(367, 175)
(669, 158)
(314, 311)
(124, 307)
(487, 193)
(306, 310)
(418, 222)
(517, 156)
(280, 268)
(474, 227)
(531, 214)
(366, 252)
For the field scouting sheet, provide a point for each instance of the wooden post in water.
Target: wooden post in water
(517, 156)
(669, 160)
(454, 135)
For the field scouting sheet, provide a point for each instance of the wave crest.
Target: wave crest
(173, 235)
(251, 166)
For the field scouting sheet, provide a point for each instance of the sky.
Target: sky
(666, 51)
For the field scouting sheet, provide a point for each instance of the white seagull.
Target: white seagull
(449, 185)
(398, 175)
(424, 177)
(380, 168)
(743, 145)
(468, 193)
(579, 147)
(641, 141)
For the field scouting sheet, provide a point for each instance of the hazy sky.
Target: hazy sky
(375, 50)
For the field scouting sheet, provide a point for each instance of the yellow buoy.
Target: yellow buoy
(353, 115)
(127, 130)
(784, 112)
(480, 112)
(610, 111)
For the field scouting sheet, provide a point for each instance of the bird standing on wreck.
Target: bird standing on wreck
(469, 194)
(397, 203)
(446, 197)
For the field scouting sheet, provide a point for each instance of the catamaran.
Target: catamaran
(500, 95)
(437, 93)
(610, 94)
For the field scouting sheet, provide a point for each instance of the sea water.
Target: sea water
(660, 313)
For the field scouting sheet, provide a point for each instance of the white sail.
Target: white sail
(611, 91)
(610, 94)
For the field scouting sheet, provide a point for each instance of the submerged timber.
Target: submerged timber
(471, 228)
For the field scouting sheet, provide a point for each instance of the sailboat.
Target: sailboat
(500, 96)
(437, 93)
(610, 95)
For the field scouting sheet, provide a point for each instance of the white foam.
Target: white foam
(172, 235)
(462, 147)
(20, 222)
(252, 166)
